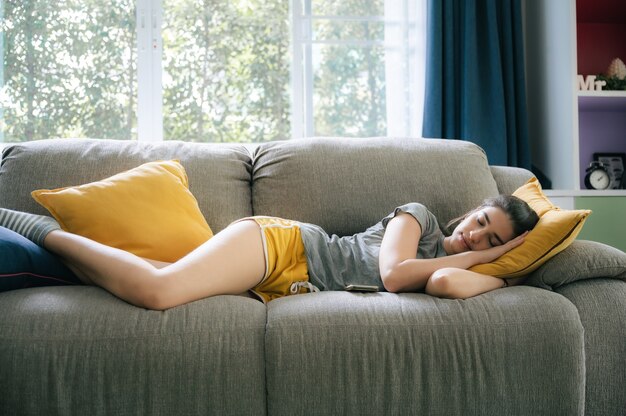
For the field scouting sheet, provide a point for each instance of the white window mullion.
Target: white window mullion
(297, 76)
(309, 128)
(419, 55)
(394, 71)
(301, 70)
(1, 75)
(150, 51)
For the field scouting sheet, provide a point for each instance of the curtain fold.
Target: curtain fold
(475, 84)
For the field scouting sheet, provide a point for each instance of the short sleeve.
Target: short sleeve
(431, 240)
(418, 211)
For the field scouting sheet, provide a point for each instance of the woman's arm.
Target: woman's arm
(399, 269)
(402, 272)
(455, 283)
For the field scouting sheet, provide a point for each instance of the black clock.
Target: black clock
(597, 176)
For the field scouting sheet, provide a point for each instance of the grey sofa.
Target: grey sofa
(555, 346)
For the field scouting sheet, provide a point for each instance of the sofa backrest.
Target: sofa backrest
(510, 178)
(346, 185)
(219, 174)
(341, 184)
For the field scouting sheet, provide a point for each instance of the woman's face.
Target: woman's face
(482, 229)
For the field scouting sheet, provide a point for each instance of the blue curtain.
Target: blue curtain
(475, 88)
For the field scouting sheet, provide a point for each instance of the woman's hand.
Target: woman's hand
(489, 255)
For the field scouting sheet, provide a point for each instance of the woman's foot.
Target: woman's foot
(32, 226)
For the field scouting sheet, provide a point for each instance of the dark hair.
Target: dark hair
(522, 216)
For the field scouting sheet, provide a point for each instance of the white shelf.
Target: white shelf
(602, 94)
(583, 192)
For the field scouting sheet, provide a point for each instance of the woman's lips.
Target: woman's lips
(464, 242)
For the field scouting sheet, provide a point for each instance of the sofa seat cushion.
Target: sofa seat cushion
(81, 351)
(345, 185)
(374, 354)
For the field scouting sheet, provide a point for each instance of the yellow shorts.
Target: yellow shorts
(286, 270)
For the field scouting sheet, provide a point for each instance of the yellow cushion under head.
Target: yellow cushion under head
(556, 230)
(148, 211)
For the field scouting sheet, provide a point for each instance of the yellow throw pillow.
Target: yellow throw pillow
(148, 211)
(556, 230)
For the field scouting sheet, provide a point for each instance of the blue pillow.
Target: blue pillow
(24, 264)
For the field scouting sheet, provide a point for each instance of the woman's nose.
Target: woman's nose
(475, 235)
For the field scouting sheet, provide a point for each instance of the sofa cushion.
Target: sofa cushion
(556, 230)
(582, 260)
(388, 354)
(79, 350)
(24, 264)
(219, 174)
(346, 185)
(147, 211)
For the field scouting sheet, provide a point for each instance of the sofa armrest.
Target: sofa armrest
(581, 260)
(509, 178)
(601, 305)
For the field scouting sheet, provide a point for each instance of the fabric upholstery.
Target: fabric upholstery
(213, 169)
(81, 351)
(582, 260)
(447, 357)
(137, 210)
(330, 181)
(600, 304)
(509, 178)
(24, 264)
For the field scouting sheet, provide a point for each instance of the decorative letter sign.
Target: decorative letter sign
(589, 83)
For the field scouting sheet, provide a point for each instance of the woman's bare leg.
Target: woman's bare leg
(231, 262)
(162, 264)
(84, 277)
(157, 264)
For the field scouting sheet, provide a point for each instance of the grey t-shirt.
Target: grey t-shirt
(335, 262)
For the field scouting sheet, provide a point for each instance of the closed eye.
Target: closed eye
(496, 236)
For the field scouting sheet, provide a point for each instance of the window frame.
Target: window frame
(404, 116)
(149, 15)
(1, 77)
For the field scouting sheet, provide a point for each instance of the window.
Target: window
(68, 69)
(226, 70)
(209, 70)
(356, 68)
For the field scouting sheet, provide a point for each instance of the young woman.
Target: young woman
(273, 257)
